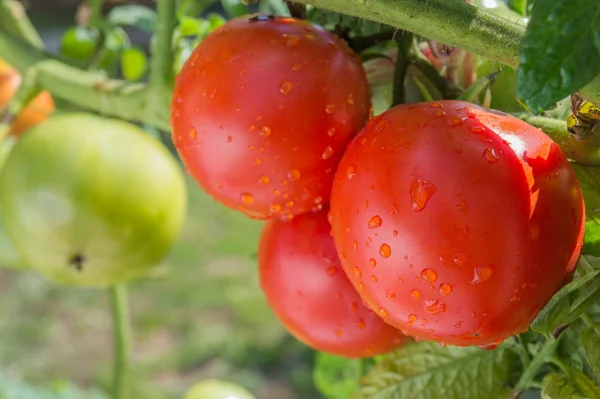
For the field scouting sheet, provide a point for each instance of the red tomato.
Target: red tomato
(305, 285)
(469, 219)
(263, 110)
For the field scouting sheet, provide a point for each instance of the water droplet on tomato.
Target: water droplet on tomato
(415, 294)
(357, 272)
(445, 289)
(229, 139)
(365, 204)
(289, 204)
(339, 333)
(412, 317)
(247, 198)
(332, 270)
(350, 99)
(374, 278)
(434, 306)
(351, 171)
(285, 87)
(391, 295)
(460, 259)
(294, 174)
(264, 180)
(265, 131)
(361, 286)
(383, 313)
(421, 191)
(275, 207)
(372, 262)
(193, 134)
(490, 156)
(361, 324)
(385, 251)
(456, 121)
(429, 274)
(477, 129)
(482, 273)
(330, 108)
(331, 131)
(462, 205)
(439, 113)
(355, 244)
(291, 40)
(375, 222)
(533, 231)
(327, 153)
(436, 105)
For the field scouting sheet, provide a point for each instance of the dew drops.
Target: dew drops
(265, 131)
(477, 129)
(421, 191)
(357, 272)
(361, 286)
(383, 313)
(264, 180)
(365, 204)
(291, 40)
(533, 232)
(332, 270)
(351, 171)
(436, 105)
(285, 87)
(460, 259)
(482, 273)
(445, 289)
(355, 245)
(434, 306)
(289, 204)
(385, 251)
(247, 198)
(429, 274)
(412, 317)
(229, 139)
(375, 222)
(339, 333)
(275, 207)
(330, 108)
(439, 113)
(382, 124)
(328, 153)
(361, 324)
(456, 121)
(462, 205)
(372, 262)
(331, 131)
(294, 174)
(257, 161)
(490, 156)
(193, 134)
(415, 294)
(350, 99)
(395, 233)
(374, 278)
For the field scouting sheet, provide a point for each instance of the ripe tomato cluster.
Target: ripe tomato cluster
(447, 221)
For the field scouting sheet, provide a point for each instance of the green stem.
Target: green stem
(452, 22)
(538, 360)
(26, 92)
(585, 152)
(122, 340)
(14, 18)
(161, 67)
(405, 42)
(96, 10)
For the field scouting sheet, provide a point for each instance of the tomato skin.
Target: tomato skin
(305, 285)
(91, 201)
(37, 111)
(262, 112)
(474, 220)
(217, 389)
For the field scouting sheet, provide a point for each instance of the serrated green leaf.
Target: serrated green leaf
(559, 386)
(193, 26)
(133, 64)
(133, 15)
(568, 304)
(337, 377)
(560, 52)
(425, 370)
(584, 385)
(590, 341)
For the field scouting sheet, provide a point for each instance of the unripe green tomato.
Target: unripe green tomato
(115, 42)
(504, 88)
(217, 389)
(79, 43)
(9, 257)
(91, 201)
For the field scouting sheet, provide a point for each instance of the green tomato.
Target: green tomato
(504, 88)
(79, 43)
(91, 201)
(9, 257)
(217, 389)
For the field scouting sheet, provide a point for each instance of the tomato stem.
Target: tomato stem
(122, 340)
(14, 18)
(405, 41)
(538, 360)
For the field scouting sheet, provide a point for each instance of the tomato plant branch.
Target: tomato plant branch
(122, 340)
(452, 22)
(538, 360)
(161, 67)
(405, 42)
(14, 18)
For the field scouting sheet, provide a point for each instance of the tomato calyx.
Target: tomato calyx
(77, 262)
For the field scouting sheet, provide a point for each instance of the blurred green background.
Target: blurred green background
(200, 314)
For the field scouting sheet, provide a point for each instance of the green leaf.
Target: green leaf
(428, 371)
(568, 304)
(519, 6)
(193, 26)
(233, 8)
(559, 386)
(337, 377)
(590, 341)
(133, 15)
(133, 64)
(560, 52)
(589, 179)
(584, 384)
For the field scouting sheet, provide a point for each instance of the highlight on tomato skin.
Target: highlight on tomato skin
(470, 220)
(37, 111)
(262, 130)
(305, 285)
